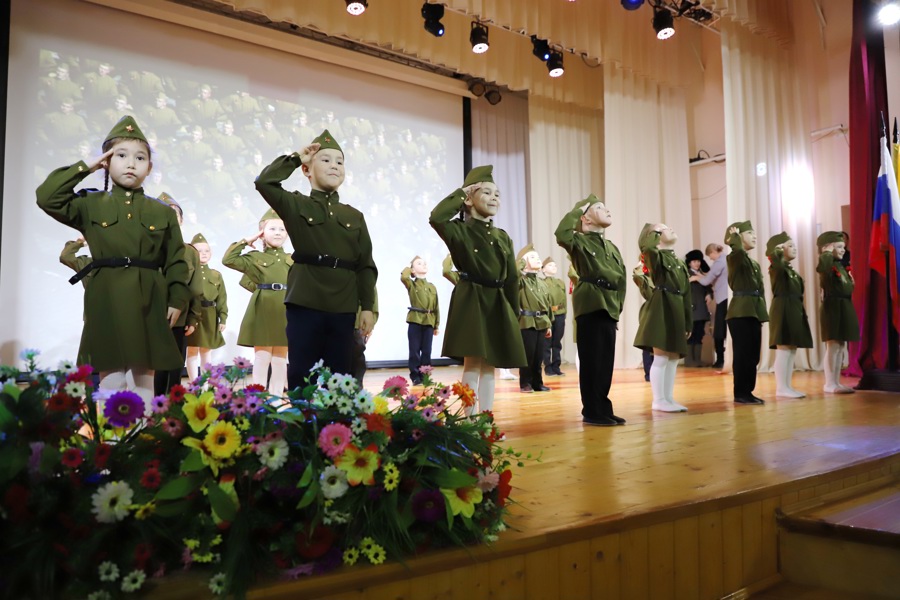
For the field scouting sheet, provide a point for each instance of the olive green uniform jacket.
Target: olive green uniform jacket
(482, 320)
(668, 314)
(746, 282)
(265, 321)
(125, 323)
(788, 323)
(69, 257)
(207, 334)
(422, 295)
(593, 258)
(645, 286)
(190, 312)
(558, 295)
(448, 272)
(838, 319)
(319, 224)
(534, 296)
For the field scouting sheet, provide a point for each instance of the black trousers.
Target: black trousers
(747, 335)
(647, 358)
(315, 335)
(420, 338)
(164, 380)
(553, 350)
(534, 342)
(596, 340)
(720, 331)
(697, 332)
(358, 357)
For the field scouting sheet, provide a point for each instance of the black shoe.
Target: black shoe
(618, 420)
(600, 421)
(543, 388)
(757, 399)
(526, 389)
(748, 400)
(718, 366)
(550, 373)
(560, 373)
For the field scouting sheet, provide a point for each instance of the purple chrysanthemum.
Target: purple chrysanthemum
(428, 506)
(123, 409)
(241, 363)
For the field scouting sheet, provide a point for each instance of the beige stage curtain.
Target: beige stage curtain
(766, 128)
(770, 18)
(566, 164)
(647, 178)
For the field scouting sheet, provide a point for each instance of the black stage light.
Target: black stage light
(632, 4)
(493, 96)
(663, 23)
(477, 88)
(541, 48)
(433, 13)
(479, 38)
(555, 64)
(356, 7)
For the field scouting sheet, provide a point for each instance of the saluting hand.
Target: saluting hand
(828, 248)
(471, 190)
(100, 161)
(251, 241)
(172, 315)
(308, 152)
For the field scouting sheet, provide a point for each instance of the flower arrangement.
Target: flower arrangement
(101, 494)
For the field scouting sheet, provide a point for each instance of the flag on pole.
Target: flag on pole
(884, 248)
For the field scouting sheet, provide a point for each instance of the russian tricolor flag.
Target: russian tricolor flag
(884, 248)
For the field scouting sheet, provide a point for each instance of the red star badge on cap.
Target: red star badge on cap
(129, 128)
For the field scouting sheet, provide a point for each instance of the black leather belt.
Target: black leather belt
(491, 283)
(599, 282)
(666, 289)
(207, 303)
(756, 293)
(271, 286)
(421, 310)
(323, 260)
(112, 262)
(841, 296)
(532, 313)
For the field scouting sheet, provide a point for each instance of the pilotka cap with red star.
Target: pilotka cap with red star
(126, 128)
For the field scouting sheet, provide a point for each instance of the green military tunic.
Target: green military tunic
(265, 321)
(482, 320)
(597, 264)
(190, 314)
(838, 318)
(557, 295)
(746, 282)
(645, 285)
(788, 323)
(69, 257)
(448, 272)
(319, 224)
(422, 296)
(212, 308)
(534, 296)
(667, 315)
(125, 321)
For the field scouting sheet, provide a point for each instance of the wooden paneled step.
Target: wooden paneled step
(795, 591)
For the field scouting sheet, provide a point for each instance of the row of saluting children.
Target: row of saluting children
(143, 278)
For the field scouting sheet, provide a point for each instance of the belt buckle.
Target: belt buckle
(335, 265)
(127, 262)
(278, 287)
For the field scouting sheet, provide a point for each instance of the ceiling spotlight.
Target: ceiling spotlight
(889, 13)
(433, 13)
(541, 48)
(356, 7)
(663, 23)
(493, 96)
(632, 4)
(479, 38)
(477, 88)
(555, 64)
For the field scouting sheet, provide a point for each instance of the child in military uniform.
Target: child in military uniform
(667, 318)
(788, 324)
(70, 258)
(641, 278)
(212, 310)
(264, 323)
(553, 349)
(482, 324)
(838, 318)
(139, 271)
(746, 311)
(423, 318)
(597, 303)
(535, 318)
(333, 274)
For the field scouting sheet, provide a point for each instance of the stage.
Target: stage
(668, 506)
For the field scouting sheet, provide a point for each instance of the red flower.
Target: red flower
(311, 546)
(72, 457)
(503, 488)
(151, 478)
(254, 388)
(60, 402)
(82, 373)
(142, 554)
(101, 455)
(380, 423)
(837, 272)
(176, 394)
(15, 500)
(152, 464)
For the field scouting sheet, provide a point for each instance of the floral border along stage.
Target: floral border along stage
(99, 494)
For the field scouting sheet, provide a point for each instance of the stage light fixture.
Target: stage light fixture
(541, 48)
(493, 96)
(433, 13)
(477, 88)
(632, 4)
(356, 7)
(555, 64)
(479, 38)
(663, 23)
(889, 13)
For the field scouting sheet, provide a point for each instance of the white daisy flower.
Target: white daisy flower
(75, 389)
(334, 382)
(364, 401)
(326, 398)
(133, 581)
(111, 501)
(334, 482)
(217, 583)
(108, 571)
(359, 426)
(273, 454)
(348, 384)
(345, 405)
(318, 365)
(66, 366)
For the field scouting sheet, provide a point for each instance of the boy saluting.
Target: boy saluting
(333, 273)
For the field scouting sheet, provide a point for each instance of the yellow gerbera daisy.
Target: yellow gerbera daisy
(208, 459)
(391, 477)
(463, 500)
(222, 439)
(142, 511)
(376, 555)
(381, 405)
(200, 412)
(360, 465)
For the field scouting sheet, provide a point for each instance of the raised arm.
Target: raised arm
(268, 183)
(234, 259)
(565, 231)
(826, 261)
(406, 278)
(445, 211)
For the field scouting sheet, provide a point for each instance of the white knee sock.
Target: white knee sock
(261, 360)
(114, 381)
(671, 368)
(831, 350)
(205, 356)
(485, 389)
(279, 376)
(782, 358)
(471, 375)
(658, 381)
(790, 370)
(193, 365)
(141, 383)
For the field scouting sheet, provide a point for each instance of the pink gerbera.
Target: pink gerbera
(159, 404)
(411, 401)
(223, 394)
(173, 426)
(444, 393)
(241, 363)
(238, 405)
(333, 439)
(440, 405)
(428, 413)
(396, 386)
